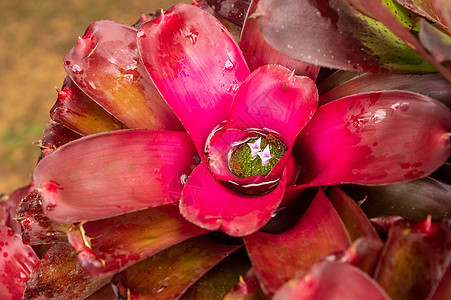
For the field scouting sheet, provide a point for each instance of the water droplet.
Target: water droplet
(141, 34)
(76, 69)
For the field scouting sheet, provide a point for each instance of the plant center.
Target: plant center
(256, 156)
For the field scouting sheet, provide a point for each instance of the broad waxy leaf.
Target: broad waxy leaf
(381, 13)
(258, 52)
(373, 139)
(415, 257)
(105, 64)
(278, 258)
(413, 200)
(169, 273)
(333, 34)
(332, 281)
(199, 88)
(110, 245)
(432, 85)
(75, 110)
(118, 172)
(59, 276)
(16, 263)
(203, 204)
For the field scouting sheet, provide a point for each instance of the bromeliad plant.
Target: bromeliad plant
(171, 147)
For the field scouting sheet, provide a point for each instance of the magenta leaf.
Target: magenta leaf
(59, 276)
(75, 110)
(213, 206)
(415, 258)
(105, 64)
(332, 281)
(278, 258)
(16, 263)
(333, 34)
(198, 87)
(258, 52)
(110, 245)
(169, 273)
(432, 85)
(112, 173)
(374, 138)
(272, 97)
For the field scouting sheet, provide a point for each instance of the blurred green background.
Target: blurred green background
(34, 36)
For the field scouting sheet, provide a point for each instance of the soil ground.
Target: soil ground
(34, 36)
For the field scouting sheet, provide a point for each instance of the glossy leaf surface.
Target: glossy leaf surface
(334, 35)
(374, 138)
(110, 245)
(16, 263)
(415, 258)
(213, 206)
(195, 64)
(432, 85)
(75, 110)
(332, 281)
(117, 171)
(105, 64)
(413, 200)
(169, 273)
(270, 99)
(258, 52)
(381, 13)
(278, 258)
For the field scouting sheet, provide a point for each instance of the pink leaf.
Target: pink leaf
(195, 64)
(277, 258)
(211, 205)
(16, 263)
(374, 138)
(112, 173)
(332, 281)
(105, 64)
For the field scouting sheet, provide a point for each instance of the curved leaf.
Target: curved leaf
(333, 34)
